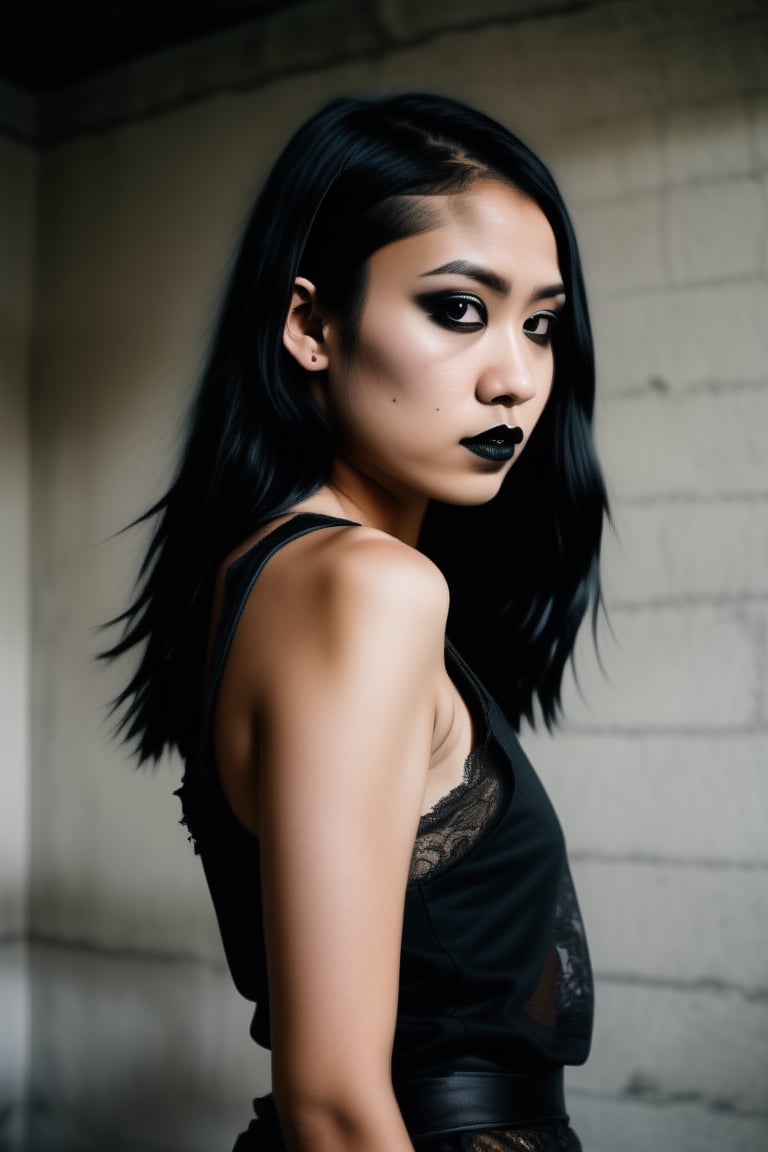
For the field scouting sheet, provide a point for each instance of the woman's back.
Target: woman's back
(494, 973)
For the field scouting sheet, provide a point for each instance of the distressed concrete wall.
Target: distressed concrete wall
(655, 120)
(17, 201)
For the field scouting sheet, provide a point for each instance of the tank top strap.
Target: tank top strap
(471, 685)
(241, 576)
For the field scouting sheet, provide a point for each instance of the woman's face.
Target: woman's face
(453, 361)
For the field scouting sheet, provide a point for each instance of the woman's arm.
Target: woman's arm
(347, 716)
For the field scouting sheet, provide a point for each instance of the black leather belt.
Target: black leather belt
(439, 1105)
(462, 1101)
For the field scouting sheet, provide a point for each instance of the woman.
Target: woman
(390, 880)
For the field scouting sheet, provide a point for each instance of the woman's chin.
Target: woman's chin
(472, 493)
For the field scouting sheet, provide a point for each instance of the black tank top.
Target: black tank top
(494, 971)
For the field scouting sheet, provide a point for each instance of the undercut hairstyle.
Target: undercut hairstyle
(522, 569)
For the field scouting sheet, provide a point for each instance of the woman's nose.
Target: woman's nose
(508, 378)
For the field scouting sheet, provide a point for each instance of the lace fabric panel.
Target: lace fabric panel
(575, 985)
(566, 979)
(263, 1135)
(546, 1138)
(457, 822)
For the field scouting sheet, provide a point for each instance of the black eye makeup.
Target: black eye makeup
(540, 327)
(459, 311)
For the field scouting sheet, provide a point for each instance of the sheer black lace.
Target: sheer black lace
(547, 1138)
(566, 978)
(458, 821)
(575, 983)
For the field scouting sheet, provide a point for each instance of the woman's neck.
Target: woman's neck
(355, 496)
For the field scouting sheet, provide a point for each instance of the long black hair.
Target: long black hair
(522, 569)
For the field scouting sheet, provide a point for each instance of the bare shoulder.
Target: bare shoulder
(341, 592)
(354, 576)
(381, 572)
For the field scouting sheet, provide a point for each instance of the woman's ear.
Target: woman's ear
(303, 331)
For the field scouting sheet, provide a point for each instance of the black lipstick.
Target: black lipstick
(496, 444)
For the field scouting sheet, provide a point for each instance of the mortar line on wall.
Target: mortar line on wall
(751, 279)
(655, 385)
(751, 174)
(713, 984)
(699, 104)
(635, 731)
(589, 856)
(654, 498)
(689, 600)
(118, 952)
(590, 200)
(751, 276)
(650, 1099)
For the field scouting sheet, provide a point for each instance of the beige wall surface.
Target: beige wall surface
(18, 165)
(655, 122)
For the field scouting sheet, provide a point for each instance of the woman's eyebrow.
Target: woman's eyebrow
(492, 280)
(548, 291)
(474, 272)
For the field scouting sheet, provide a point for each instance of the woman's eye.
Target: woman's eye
(540, 326)
(459, 311)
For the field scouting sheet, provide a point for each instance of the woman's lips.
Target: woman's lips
(496, 444)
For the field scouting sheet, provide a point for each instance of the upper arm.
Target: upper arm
(346, 718)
